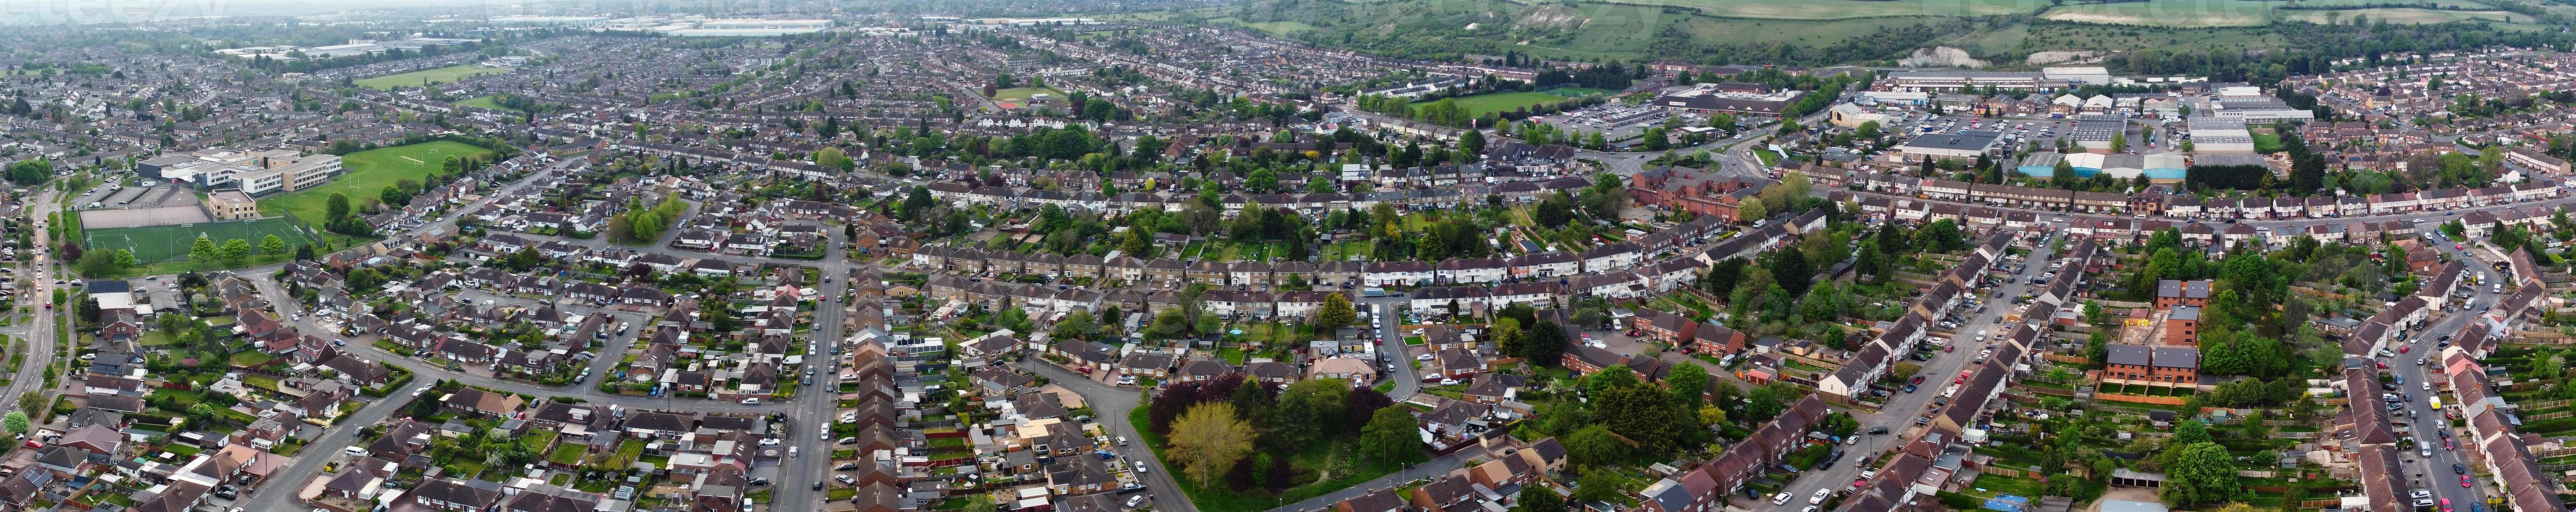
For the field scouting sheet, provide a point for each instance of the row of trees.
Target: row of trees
(640, 225)
(233, 251)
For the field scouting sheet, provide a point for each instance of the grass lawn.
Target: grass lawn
(368, 173)
(431, 76)
(1022, 94)
(1317, 456)
(486, 102)
(1831, 9)
(252, 358)
(2169, 13)
(155, 244)
(566, 455)
(1231, 355)
(1344, 250)
(259, 381)
(1997, 484)
(2408, 16)
(627, 452)
(1481, 104)
(158, 338)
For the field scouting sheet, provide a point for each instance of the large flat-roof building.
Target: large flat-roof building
(253, 173)
(1954, 80)
(1710, 98)
(1965, 145)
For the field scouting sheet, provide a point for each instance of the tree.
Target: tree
(1539, 498)
(1594, 445)
(1312, 407)
(304, 252)
(236, 249)
(2063, 175)
(1208, 439)
(15, 421)
(96, 263)
(125, 258)
(1751, 210)
(1391, 436)
(204, 251)
(336, 207)
(1077, 325)
(1792, 272)
(1473, 142)
(1336, 312)
(1597, 485)
(1687, 383)
(2199, 474)
(1546, 343)
(833, 157)
(272, 245)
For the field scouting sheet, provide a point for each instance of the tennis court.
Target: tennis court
(165, 243)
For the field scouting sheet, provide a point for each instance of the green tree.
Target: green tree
(125, 258)
(1391, 436)
(1751, 210)
(1597, 485)
(1688, 384)
(833, 157)
(336, 207)
(96, 263)
(1546, 342)
(2200, 473)
(203, 251)
(15, 421)
(1594, 445)
(1539, 498)
(1077, 325)
(236, 249)
(1311, 408)
(272, 245)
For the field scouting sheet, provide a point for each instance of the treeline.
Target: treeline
(640, 225)
(526, 104)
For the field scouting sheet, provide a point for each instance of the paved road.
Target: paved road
(39, 332)
(2435, 473)
(1110, 406)
(1898, 413)
(279, 494)
(812, 410)
(1385, 321)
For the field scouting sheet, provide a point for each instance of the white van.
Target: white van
(1783, 498)
(354, 451)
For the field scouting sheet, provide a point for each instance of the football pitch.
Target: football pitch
(153, 244)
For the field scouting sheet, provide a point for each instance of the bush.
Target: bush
(1956, 501)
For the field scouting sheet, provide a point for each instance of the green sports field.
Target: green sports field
(486, 102)
(366, 175)
(431, 76)
(153, 244)
(1479, 105)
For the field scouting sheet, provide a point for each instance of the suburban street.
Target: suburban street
(2435, 473)
(40, 272)
(1110, 406)
(1898, 413)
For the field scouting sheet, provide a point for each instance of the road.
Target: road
(1386, 321)
(39, 332)
(2435, 473)
(811, 413)
(1110, 406)
(1898, 413)
(279, 494)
